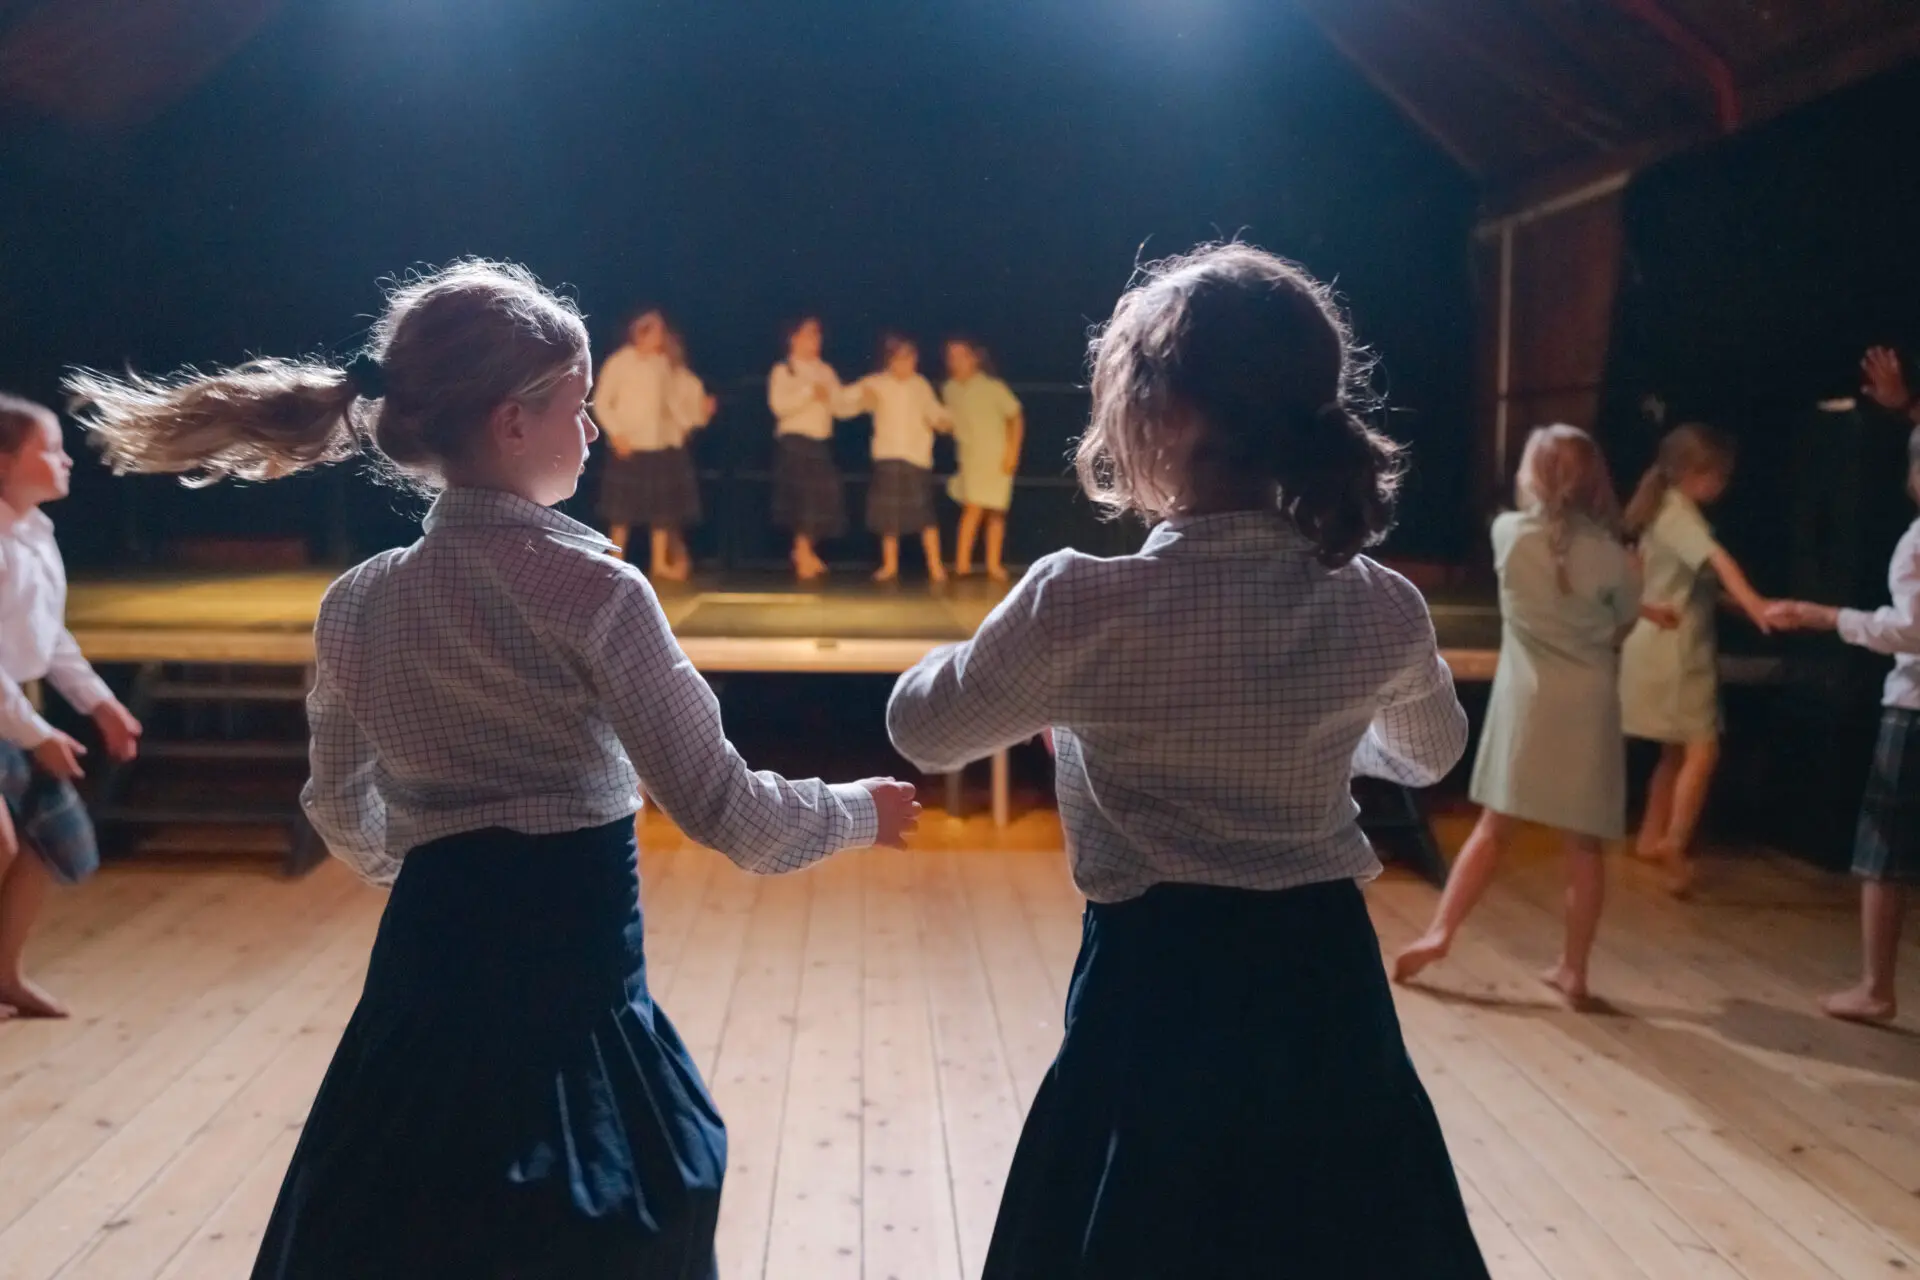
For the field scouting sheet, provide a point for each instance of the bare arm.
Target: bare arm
(1739, 589)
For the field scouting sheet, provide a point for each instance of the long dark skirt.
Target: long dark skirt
(899, 498)
(1232, 1098)
(657, 488)
(507, 1103)
(807, 497)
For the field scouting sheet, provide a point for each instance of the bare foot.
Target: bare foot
(1858, 1004)
(996, 573)
(885, 575)
(937, 572)
(29, 999)
(1569, 984)
(8, 1013)
(1418, 955)
(962, 570)
(1647, 852)
(1679, 877)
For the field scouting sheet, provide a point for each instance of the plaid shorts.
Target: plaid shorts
(48, 817)
(1886, 845)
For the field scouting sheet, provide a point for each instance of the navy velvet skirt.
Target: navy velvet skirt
(1232, 1099)
(506, 1102)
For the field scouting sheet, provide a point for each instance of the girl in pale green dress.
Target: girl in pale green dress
(1551, 751)
(987, 432)
(1670, 680)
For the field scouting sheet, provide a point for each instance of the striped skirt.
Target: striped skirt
(807, 496)
(900, 498)
(655, 488)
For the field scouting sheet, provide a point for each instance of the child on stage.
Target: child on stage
(507, 1100)
(806, 396)
(987, 432)
(906, 413)
(1551, 751)
(1886, 849)
(45, 835)
(1233, 1096)
(647, 402)
(1670, 678)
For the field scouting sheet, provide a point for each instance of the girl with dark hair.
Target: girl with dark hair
(806, 396)
(1233, 1096)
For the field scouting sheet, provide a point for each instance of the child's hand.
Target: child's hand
(899, 814)
(1885, 384)
(118, 729)
(1010, 464)
(1799, 615)
(1663, 616)
(60, 756)
(712, 406)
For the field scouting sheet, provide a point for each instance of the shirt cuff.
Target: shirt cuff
(30, 733)
(84, 694)
(858, 802)
(1851, 624)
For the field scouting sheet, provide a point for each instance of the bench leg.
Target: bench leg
(956, 793)
(1002, 787)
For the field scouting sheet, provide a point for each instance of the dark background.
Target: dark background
(990, 167)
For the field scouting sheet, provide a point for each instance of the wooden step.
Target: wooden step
(211, 691)
(150, 750)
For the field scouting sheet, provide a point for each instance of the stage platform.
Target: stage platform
(734, 623)
(874, 1029)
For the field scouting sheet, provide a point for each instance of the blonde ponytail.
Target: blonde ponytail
(257, 421)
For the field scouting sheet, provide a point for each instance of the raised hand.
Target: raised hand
(1886, 384)
(899, 814)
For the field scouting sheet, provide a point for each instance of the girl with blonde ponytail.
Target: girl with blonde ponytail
(1552, 751)
(1670, 679)
(507, 1100)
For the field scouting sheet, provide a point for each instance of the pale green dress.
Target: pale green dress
(1670, 680)
(1552, 751)
(980, 407)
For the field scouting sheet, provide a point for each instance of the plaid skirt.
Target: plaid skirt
(1886, 845)
(48, 817)
(807, 497)
(655, 487)
(900, 498)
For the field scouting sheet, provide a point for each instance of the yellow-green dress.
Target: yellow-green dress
(1552, 751)
(1670, 680)
(980, 406)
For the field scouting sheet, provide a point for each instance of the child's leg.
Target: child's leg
(23, 887)
(661, 563)
(680, 562)
(1586, 891)
(806, 561)
(889, 558)
(1659, 814)
(996, 543)
(930, 543)
(1472, 872)
(1697, 763)
(620, 535)
(963, 540)
(1883, 906)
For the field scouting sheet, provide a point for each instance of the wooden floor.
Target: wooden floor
(873, 1029)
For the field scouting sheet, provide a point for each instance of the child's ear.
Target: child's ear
(507, 424)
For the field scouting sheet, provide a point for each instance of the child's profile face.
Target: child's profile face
(1705, 486)
(904, 361)
(39, 470)
(541, 449)
(806, 340)
(962, 361)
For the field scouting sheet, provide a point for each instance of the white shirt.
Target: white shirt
(905, 414)
(34, 641)
(1894, 628)
(798, 409)
(645, 403)
(1211, 699)
(507, 671)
